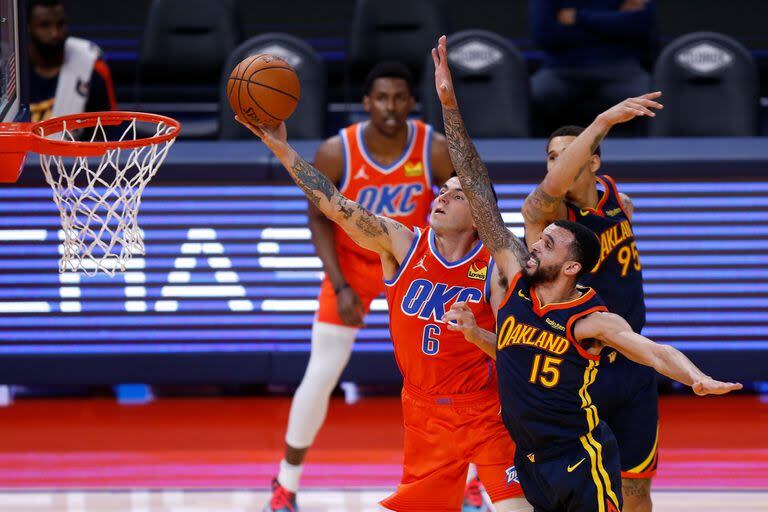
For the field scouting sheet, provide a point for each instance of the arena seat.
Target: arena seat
(308, 121)
(710, 85)
(183, 48)
(402, 30)
(491, 82)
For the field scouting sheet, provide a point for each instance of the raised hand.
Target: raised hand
(274, 137)
(709, 386)
(443, 80)
(631, 108)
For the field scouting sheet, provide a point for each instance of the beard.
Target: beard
(49, 51)
(541, 275)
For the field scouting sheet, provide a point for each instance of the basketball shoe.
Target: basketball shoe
(473, 497)
(282, 499)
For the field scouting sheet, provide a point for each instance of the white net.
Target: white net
(99, 198)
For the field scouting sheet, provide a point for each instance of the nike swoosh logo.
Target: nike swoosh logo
(571, 468)
(520, 294)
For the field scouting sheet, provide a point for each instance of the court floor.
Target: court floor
(312, 501)
(219, 455)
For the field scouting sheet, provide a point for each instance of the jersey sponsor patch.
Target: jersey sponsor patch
(478, 270)
(414, 169)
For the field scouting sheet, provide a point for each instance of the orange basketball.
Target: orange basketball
(263, 89)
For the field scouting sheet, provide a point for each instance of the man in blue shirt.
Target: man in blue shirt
(593, 52)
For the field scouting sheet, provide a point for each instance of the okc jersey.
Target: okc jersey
(544, 373)
(617, 277)
(432, 358)
(400, 191)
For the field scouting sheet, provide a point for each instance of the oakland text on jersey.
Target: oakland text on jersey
(612, 238)
(519, 333)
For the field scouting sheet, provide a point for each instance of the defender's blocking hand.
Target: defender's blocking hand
(631, 108)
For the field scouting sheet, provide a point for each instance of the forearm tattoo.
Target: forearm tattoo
(310, 180)
(476, 185)
(540, 206)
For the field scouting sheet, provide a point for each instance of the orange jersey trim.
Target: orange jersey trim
(102, 69)
(540, 310)
(511, 288)
(569, 332)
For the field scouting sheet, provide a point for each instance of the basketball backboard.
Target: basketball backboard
(12, 101)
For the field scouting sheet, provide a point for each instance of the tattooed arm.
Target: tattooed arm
(545, 204)
(508, 251)
(387, 237)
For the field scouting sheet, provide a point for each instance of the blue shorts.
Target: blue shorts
(627, 398)
(583, 477)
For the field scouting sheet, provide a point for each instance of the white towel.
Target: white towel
(72, 90)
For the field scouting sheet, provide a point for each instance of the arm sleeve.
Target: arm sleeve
(619, 25)
(548, 33)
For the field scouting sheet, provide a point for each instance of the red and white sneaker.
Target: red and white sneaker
(282, 499)
(473, 497)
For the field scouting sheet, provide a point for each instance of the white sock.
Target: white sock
(331, 348)
(289, 476)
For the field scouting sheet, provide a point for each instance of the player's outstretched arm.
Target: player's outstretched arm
(379, 234)
(545, 204)
(509, 252)
(614, 331)
(461, 318)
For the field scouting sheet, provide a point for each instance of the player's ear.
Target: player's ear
(594, 163)
(367, 103)
(571, 268)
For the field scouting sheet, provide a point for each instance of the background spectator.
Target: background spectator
(68, 74)
(593, 53)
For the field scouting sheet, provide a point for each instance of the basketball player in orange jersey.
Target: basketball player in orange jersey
(450, 396)
(389, 165)
(550, 336)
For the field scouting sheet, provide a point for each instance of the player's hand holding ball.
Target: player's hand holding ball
(263, 92)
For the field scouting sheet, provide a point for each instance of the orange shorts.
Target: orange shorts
(363, 275)
(442, 436)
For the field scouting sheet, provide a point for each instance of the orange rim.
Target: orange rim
(43, 129)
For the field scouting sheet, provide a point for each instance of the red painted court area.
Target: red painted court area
(706, 443)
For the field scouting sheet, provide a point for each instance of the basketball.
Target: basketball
(263, 89)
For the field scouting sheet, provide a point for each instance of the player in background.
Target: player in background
(389, 165)
(625, 392)
(550, 335)
(67, 75)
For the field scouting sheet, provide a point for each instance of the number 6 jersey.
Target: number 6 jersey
(435, 360)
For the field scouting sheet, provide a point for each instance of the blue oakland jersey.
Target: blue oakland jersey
(544, 373)
(618, 276)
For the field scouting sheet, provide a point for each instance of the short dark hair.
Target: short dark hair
(493, 189)
(585, 247)
(388, 69)
(569, 130)
(31, 4)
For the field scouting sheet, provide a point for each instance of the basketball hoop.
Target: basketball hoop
(97, 183)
